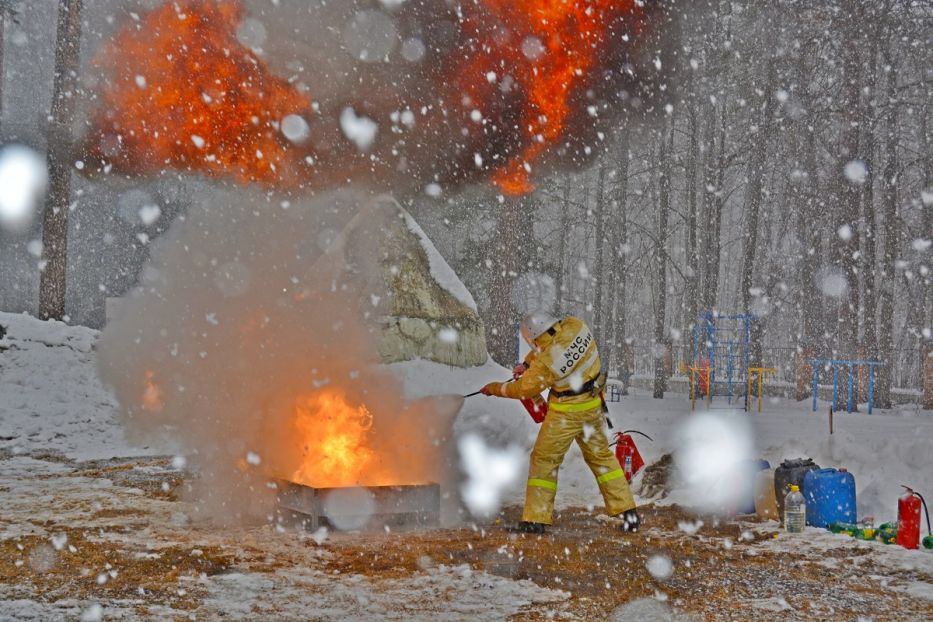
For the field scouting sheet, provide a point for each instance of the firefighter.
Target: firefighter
(564, 358)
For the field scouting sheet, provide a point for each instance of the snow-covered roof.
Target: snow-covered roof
(440, 269)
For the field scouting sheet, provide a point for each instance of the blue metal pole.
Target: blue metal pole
(852, 368)
(871, 387)
(816, 371)
(835, 384)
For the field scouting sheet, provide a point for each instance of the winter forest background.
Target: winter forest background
(791, 176)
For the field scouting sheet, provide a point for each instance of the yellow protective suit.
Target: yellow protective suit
(566, 359)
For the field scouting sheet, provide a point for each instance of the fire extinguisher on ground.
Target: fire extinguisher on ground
(627, 453)
(908, 520)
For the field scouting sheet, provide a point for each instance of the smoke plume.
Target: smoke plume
(251, 341)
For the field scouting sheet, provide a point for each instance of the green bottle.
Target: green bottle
(887, 533)
(844, 528)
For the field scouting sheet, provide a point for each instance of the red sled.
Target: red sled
(627, 453)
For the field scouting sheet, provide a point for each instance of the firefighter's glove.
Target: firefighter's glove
(630, 521)
(518, 370)
(493, 388)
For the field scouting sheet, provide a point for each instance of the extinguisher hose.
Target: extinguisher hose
(619, 436)
(478, 392)
(637, 432)
(925, 511)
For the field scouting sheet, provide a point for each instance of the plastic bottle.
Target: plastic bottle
(765, 501)
(887, 533)
(795, 510)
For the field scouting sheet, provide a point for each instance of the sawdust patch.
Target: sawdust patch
(72, 565)
(714, 570)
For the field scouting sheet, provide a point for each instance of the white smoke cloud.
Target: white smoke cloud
(239, 314)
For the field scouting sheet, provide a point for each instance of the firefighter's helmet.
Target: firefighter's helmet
(536, 324)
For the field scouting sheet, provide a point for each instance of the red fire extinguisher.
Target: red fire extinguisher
(627, 453)
(908, 518)
(536, 407)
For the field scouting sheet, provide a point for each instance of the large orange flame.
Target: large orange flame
(335, 443)
(180, 91)
(184, 93)
(553, 47)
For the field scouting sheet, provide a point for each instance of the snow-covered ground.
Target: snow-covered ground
(77, 497)
(883, 450)
(50, 397)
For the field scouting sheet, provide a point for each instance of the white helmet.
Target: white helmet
(536, 324)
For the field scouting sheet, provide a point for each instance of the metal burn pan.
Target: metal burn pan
(369, 508)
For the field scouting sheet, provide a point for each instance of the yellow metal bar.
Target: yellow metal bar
(759, 372)
(760, 378)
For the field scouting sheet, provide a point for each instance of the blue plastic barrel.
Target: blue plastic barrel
(748, 470)
(830, 497)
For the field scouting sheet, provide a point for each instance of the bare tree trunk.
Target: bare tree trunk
(585, 208)
(565, 232)
(755, 183)
(709, 197)
(55, 217)
(691, 288)
(664, 200)
(755, 179)
(617, 265)
(2, 48)
(925, 280)
(869, 255)
(887, 268)
(516, 242)
(810, 227)
(599, 280)
(714, 225)
(844, 233)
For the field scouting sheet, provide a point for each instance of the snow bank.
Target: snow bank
(883, 450)
(51, 399)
